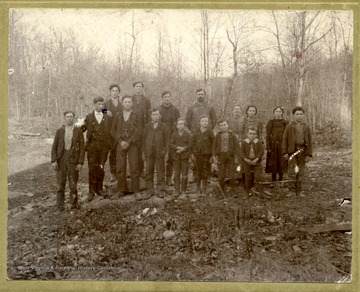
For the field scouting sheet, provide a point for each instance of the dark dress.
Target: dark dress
(275, 163)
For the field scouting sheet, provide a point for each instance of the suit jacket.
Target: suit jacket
(289, 139)
(158, 136)
(184, 140)
(257, 146)
(134, 130)
(233, 144)
(89, 124)
(77, 150)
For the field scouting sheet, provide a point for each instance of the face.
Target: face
(180, 125)
(236, 111)
(69, 119)
(298, 116)
(155, 116)
(251, 112)
(99, 106)
(200, 96)
(138, 88)
(127, 103)
(204, 123)
(278, 113)
(167, 99)
(114, 92)
(251, 134)
(224, 126)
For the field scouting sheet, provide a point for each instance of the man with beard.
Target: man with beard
(198, 109)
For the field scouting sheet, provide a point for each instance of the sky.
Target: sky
(109, 30)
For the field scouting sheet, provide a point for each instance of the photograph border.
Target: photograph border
(93, 285)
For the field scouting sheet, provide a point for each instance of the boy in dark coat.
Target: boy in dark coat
(155, 146)
(252, 152)
(98, 143)
(180, 146)
(125, 131)
(67, 158)
(169, 115)
(225, 148)
(297, 149)
(203, 139)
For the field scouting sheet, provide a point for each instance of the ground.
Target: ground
(209, 238)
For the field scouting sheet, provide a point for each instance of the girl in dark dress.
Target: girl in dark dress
(275, 128)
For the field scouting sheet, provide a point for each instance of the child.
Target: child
(225, 148)
(203, 139)
(297, 149)
(155, 144)
(275, 128)
(250, 120)
(180, 145)
(252, 152)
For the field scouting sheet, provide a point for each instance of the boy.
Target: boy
(98, 143)
(155, 144)
(67, 158)
(252, 151)
(225, 148)
(169, 115)
(203, 139)
(297, 149)
(180, 145)
(126, 133)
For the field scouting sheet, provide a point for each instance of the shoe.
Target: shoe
(176, 193)
(148, 195)
(169, 181)
(255, 191)
(101, 193)
(90, 196)
(300, 194)
(290, 194)
(113, 178)
(138, 196)
(117, 195)
(161, 194)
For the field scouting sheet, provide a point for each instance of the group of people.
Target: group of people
(133, 134)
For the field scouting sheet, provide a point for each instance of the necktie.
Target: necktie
(252, 153)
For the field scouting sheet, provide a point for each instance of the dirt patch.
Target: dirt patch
(189, 238)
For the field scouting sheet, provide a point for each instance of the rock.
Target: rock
(145, 211)
(168, 234)
(296, 248)
(271, 238)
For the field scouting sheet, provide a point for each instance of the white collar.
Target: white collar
(248, 141)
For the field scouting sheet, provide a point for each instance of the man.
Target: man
(98, 143)
(141, 107)
(67, 158)
(235, 122)
(169, 116)
(113, 106)
(125, 131)
(198, 109)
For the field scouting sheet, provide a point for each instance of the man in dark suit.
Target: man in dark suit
(113, 105)
(126, 133)
(67, 158)
(98, 143)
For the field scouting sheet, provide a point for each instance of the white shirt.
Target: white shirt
(98, 116)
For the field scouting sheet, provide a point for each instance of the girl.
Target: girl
(275, 128)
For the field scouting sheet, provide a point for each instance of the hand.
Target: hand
(124, 145)
(247, 160)
(254, 161)
(55, 165)
(286, 156)
(78, 167)
(307, 158)
(178, 151)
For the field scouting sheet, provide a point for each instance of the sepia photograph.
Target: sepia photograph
(178, 145)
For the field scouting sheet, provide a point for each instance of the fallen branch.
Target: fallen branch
(343, 227)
